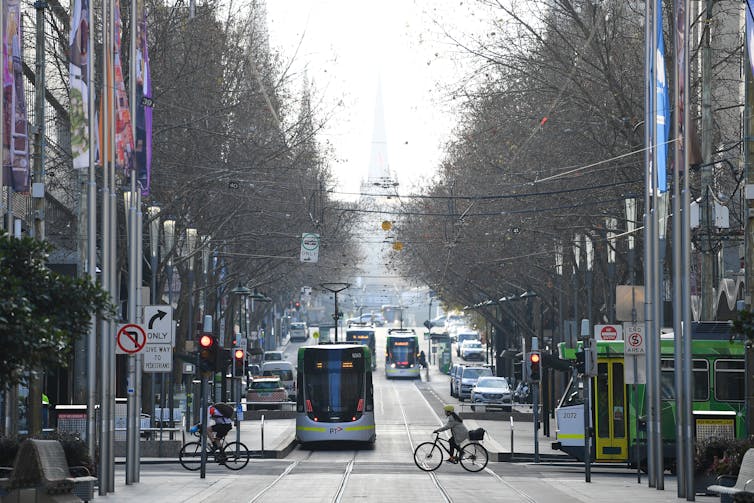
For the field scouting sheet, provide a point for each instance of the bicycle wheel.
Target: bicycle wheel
(236, 455)
(190, 456)
(474, 457)
(428, 456)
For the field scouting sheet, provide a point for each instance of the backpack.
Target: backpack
(225, 409)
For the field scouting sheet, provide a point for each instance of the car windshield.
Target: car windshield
(492, 383)
(273, 356)
(284, 375)
(297, 326)
(475, 373)
(265, 385)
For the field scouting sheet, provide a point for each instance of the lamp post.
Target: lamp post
(576, 261)
(260, 297)
(335, 288)
(168, 231)
(559, 286)
(630, 203)
(429, 329)
(188, 254)
(611, 224)
(153, 213)
(132, 200)
(242, 292)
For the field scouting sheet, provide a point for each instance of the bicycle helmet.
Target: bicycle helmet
(449, 408)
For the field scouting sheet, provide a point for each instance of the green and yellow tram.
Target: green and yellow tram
(718, 398)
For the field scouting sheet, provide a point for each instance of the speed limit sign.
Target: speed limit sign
(635, 342)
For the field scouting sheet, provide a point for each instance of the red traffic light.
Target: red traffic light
(534, 357)
(205, 341)
(239, 354)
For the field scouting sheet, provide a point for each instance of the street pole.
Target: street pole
(191, 236)
(168, 228)
(429, 339)
(91, 247)
(38, 197)
(334, 288)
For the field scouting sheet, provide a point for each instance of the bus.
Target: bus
(362, 334)
(718, 380)
(402, 353)
(335, 400)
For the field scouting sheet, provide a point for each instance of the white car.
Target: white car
(492, 391)
(472, 350)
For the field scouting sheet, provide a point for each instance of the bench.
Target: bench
(41, 465)
(744, 485)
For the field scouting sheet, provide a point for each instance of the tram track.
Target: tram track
(272, 484)
(428, 390)
(446, 497)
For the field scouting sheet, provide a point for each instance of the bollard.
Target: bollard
(262, 419)
(511, 418)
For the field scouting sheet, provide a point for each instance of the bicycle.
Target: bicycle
(428, 455)
(234, 455)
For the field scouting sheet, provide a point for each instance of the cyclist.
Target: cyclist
(220, 414)
(458, 432)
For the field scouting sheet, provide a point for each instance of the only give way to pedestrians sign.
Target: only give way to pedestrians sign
(158, 353)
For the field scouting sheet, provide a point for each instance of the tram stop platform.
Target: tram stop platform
(265, 438)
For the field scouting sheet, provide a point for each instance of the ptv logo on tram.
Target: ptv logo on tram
(336, 429)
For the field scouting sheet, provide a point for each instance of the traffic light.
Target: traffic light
(208, 352)
(298, 306)
(535, 359)
(239, 357)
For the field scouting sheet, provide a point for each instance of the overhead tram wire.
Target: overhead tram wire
(487, 214)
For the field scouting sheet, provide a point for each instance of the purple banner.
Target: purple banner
(143, 105)
(16, 171)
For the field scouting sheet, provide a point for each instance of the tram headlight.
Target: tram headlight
(392, 365)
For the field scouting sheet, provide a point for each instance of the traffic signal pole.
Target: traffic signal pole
(535, 375)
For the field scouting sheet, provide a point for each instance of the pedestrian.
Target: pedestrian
(458, 432)
(45, 411)
(422, 359)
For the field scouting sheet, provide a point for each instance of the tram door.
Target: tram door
(611, 443)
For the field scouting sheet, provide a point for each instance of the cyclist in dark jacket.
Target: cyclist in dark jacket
(458, 432)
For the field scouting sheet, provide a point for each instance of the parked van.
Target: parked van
(286, 372)
(299, 331)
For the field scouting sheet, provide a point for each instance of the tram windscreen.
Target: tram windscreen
(402, 352)
(359, 336)
(334, 381)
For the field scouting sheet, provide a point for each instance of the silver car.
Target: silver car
(492, 391)
(468, 379)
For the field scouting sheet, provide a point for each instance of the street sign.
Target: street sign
(158, 321)
(309, 247)
(608, 332)
(158, 358)
(130, 339)
(635, 343)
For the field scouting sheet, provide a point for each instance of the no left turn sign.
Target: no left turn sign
(130, 339)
